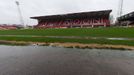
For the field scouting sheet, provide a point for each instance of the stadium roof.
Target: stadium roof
(103, 13)
(129, 16)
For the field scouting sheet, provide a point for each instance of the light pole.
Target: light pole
(120, 8)
(20, 14)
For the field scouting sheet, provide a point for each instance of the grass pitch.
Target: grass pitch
(80, 32)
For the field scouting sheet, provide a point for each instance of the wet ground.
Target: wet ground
(35, 60)
(70, 37)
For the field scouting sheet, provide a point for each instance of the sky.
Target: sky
(29, 8)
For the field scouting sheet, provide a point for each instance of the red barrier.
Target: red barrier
(75, 23)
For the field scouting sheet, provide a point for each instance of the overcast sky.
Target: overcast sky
(29, 8)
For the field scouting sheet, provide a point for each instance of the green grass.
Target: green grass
(61, 40)
(93, 32)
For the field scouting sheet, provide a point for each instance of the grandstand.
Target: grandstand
(82, 19)
(126, 20)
